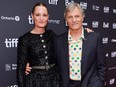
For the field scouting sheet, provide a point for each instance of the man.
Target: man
(79, 53)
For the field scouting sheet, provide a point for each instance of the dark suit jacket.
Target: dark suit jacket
(93, 59)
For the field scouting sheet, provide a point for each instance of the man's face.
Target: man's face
(74, 19)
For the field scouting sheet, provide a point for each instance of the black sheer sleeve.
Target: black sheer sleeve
(22, 55)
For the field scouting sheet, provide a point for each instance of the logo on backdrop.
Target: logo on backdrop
(112, 81)
(53, 2)
(95, 7)
(105, 40)
(114, 25)
(83, 5)
(106, 9)
(84, 24)
(113, 40)
(16, 18)
(105, 83)
(11, 42)
(105, 25)
(49, 21)
(9, 67)
(95, 24)
(114, 10)
(113, 54)
(67, 2)
(54, 21)
(112, 68)
(30, 19)
(107, 55)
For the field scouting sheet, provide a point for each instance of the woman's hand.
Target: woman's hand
(28, 69)
(89, 30)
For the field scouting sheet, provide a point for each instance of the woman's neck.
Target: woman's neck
(38, 30)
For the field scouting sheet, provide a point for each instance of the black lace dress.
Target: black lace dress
(38, 50)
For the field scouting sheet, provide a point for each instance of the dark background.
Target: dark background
(15, 21)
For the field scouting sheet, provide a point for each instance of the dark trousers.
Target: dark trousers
(73, 83)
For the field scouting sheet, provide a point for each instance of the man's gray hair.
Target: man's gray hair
(71, 6)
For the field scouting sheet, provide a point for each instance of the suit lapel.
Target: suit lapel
(84, 51)
(65, 43)
(66, 50)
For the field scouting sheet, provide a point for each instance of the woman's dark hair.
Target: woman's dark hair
(38, 4)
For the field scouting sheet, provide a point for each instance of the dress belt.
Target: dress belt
(43, 67)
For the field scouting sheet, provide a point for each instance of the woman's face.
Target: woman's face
(40, 16)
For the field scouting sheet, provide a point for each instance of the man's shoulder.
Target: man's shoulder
(94, 36)
(62, 35)
(92, 33)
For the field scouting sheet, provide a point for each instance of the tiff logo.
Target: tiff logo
(30, 20)
(95, 7)
(95, 24)
(105, 40)
(106, 9)
(83, 5)
(114, 10)
(11, 42)
(114, 25)
(112, 81)
(113, 54)
(67, 2)
(105, 25)
(53, 2)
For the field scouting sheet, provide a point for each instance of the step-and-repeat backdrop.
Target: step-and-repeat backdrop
(15, 20)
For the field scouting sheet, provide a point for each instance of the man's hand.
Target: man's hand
(89, 30)
(28, 69)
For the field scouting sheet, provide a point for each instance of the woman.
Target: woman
(37, 48)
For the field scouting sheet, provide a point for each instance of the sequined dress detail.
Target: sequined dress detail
(38, 50)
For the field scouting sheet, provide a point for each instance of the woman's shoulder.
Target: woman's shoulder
(25, 36)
